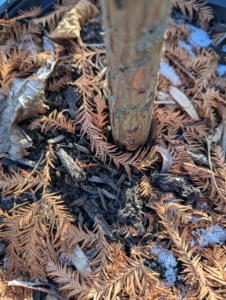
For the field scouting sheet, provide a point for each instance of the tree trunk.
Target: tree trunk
(134, 31)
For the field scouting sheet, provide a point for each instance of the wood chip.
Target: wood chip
(109, 181)
(112, 170)
(102, 199)
(109, 195)
(81, 148)
(94, 213)
(57, 139)
(89, 189)
(73, 169)
(25, 161)
(78, 201)
(121, 179)
(95, 179)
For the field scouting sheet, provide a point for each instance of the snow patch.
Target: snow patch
(221, 69)
(168, 261)
(195, 219)
(207, 237)
(167, 71)
(201, 205)
(199, 38)
(187, 47)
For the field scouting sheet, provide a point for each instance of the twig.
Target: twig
(220, 40)
(17, 206)
(31, 285)
(95, 45)
(32, 172)
(180, 66)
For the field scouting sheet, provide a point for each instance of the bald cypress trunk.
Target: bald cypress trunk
(134, 31)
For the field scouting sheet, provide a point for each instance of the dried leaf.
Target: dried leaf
(25, 101)
(70, 26)
(199, 158)
(216, 137)
(164, 98)
(78, 259)
(183, 100)
(167, 159)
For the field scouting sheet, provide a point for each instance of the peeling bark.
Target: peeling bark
(134, 33)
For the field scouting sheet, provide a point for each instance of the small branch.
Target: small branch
(32, 172)
(95, 45)
(17, 206)
(32, 286)
(180, 66)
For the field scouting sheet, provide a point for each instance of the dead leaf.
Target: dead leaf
(183, 100)
(81, 261)
(216, 137)
(199, 158)
(167, 159)
(69, 27)
(24, 100)
(164, 98)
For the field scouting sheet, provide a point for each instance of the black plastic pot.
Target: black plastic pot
(221, 3)
(12, 6)
(219, 7)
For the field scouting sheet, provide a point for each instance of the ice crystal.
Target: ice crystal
(199, 38)
(168, 261)
(187, 47)
(213, 235)
(167, 71)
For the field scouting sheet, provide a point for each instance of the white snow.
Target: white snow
(221, 69)
(187, 47)
(201, 205)
(199, 38)
(167, 71)
(192, 243)
(213, 235)
(195, 219)
(168, 261)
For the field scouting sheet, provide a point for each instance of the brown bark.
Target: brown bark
(134, 31)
